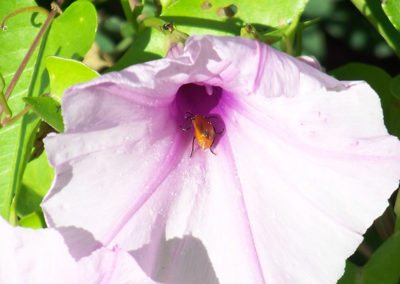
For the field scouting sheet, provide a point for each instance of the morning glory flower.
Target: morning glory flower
(62, 256)
(303, 164)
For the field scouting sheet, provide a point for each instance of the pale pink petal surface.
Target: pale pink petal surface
(43, 256)
(303, 166)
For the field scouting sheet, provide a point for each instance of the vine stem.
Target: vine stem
(7, 121)
(28, 55)
(22, 10)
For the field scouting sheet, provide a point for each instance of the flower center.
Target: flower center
(197, 111)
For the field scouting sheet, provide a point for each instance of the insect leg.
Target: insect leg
(188, 115)
(191, 153)
(218, 119)
(211, 150)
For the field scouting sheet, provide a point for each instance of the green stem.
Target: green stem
(288, 45)
(290, 37)
(372, 10)
(12, 218)
(4, 105)
(7, 121)
(3, 102)
(128, 11)
(310, 23)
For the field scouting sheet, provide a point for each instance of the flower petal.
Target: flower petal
(118, 172)
(319, 185)
(248, 67)
(29, 256)
(194, 227)
(112, 266)
(42, 256)
(304, 166)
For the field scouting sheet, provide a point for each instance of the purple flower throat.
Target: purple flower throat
(206, 101)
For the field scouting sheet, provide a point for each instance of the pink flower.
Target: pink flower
(62, 256)
(303, 165)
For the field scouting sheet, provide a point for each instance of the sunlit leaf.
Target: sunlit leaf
(48, 109)
(37, 179)
(150, 45)
(228, 16)
(34, 220)
(15, 41)
(218, 17)
(64, 73)
(70, 35)
(392, 10)
(373, 11)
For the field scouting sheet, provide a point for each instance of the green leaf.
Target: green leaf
(373, 11)
(397, 210)
(207, 17)
(128, 8)
(48, 109)
(64, 73)
(71, 35)
(395, 87)
(392, 11)
(35, 220)
(36, 182)
(228, 16)
(352, 274)
(150, 45)
(383, 266)
(15, 41)
(380, 81)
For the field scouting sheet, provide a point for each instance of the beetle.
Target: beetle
(203, 131)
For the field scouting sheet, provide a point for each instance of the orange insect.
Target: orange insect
(204, 131)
